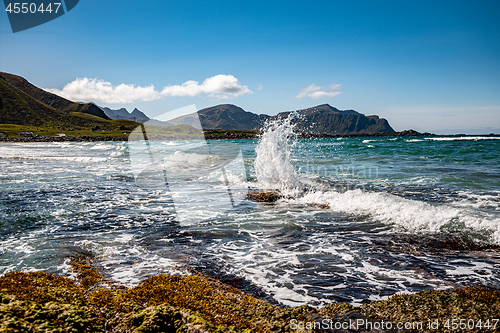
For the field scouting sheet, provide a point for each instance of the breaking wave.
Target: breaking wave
(275, 171)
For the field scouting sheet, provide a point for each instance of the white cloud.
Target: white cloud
(313, 91)
(303, 93)
(321, 94)
(100, 91)
(219, 86)
(334, 86)
(260, 86)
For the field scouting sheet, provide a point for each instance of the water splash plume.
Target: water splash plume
(273, 165)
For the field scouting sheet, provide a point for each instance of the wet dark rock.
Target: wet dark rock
(264, 196)
(440, 242)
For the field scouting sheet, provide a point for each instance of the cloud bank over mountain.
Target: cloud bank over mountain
(218, 86)
(95, 90)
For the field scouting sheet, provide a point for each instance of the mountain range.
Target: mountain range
(22, 103)
(135, 115)
(321, 119)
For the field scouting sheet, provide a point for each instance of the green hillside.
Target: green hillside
(30, 114)
(49, 99)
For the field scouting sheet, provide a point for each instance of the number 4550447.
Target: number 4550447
(470, 324)
(25, 8)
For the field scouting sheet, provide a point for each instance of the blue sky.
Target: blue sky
(427, 65)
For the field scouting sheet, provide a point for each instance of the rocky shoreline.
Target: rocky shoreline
(222, 135)
(64, 139)
(43, 302)
(198, 302)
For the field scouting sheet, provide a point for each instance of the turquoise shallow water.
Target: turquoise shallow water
(362, 218)
(464, 163)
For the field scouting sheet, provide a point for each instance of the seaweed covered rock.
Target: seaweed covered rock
(161, 318)
(470, 303)
(41, 288)
(27, 316)
(42, 302)
(264, 196)
(217, 304)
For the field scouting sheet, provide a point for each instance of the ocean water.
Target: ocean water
(360, 218)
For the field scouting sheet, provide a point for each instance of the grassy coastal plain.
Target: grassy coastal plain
(123, 129)
(12, 131)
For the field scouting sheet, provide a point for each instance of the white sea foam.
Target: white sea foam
(181, 159)
(277, 266)
(116, 154)
(475, 200)
(470, 269)
(82, 159)
(50, 153)
(103, 146)
(116, 259)
(411, 215)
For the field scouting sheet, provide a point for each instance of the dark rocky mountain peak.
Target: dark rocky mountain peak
(229, 116)
(138, 114)
(320, 109)
(318, 120)
(225, 116)
(123, 113)
(325, 119)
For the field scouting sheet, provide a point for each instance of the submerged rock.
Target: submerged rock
(324, 206)
(264, 196)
